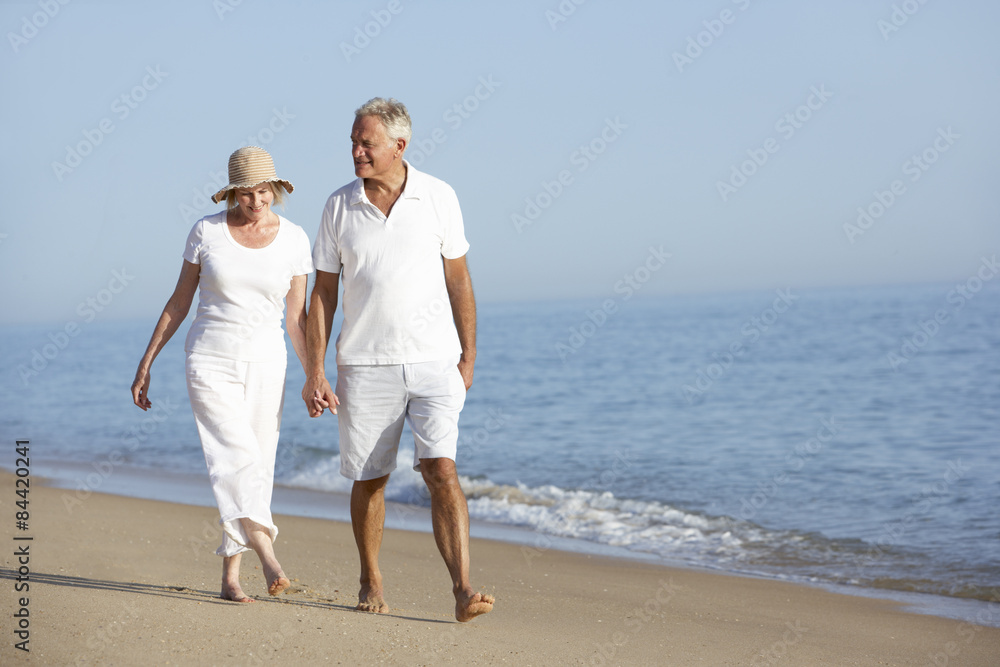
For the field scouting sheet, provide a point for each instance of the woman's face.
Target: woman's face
(255, 202)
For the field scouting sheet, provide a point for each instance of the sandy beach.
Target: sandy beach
(122, 581)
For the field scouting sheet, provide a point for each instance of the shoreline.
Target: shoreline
(135, 482)
(137, 582)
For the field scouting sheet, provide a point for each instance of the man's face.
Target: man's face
(371, 149)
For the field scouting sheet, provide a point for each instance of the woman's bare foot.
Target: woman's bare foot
(370, 600)
(234, 593)
(231, 580)
(278, 584)
(259, 539)
(470, 604)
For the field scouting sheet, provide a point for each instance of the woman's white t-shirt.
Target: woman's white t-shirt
(242, 290)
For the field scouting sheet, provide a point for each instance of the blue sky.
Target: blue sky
(738, 136)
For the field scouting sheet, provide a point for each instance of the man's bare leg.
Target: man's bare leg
(368, 521)
(231, 589)
(260, 541)
(450, 516)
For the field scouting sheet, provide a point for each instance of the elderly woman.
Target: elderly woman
(248, 263)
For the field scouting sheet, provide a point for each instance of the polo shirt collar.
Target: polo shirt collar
(414, 188)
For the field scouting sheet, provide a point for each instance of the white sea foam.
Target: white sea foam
(644, 526)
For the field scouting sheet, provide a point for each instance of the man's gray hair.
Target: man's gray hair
(393, 114)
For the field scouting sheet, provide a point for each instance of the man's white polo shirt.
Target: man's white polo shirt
(396, 306)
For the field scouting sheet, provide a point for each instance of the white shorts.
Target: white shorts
(374, 401)
(237, 408)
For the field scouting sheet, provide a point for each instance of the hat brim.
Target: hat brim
(221, 194)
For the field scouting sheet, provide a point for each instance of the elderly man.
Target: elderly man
(407, 347)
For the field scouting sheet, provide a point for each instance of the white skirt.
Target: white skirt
(237, 408)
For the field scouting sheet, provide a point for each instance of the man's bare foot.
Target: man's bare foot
(278, 584)
(234, 594)
(370, 600)
(469, 605)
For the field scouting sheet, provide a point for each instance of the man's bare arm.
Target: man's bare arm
(463, 308)
(317, 393)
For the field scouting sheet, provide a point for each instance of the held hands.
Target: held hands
(140, 389)
(319, 396)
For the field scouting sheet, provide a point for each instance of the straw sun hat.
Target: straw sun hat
(249, 166)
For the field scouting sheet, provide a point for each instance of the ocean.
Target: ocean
(846, 438)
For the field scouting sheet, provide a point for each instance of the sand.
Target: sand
(121, 581)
